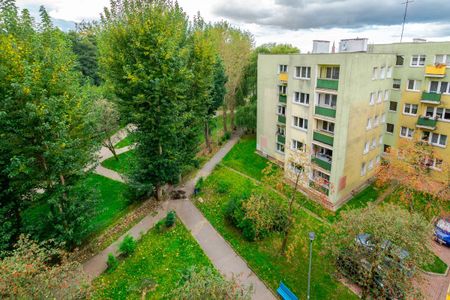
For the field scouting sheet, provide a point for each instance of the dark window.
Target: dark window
(393, 106)
(386, 148)
(396, 83)
(400, 60)
(389, 127)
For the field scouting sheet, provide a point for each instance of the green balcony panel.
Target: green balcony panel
(326, 112)
(321, 163)
(282, 119)
(328, 84)
(431, 98)
(323, 138)
(319, 188)
(283, 98)
(426, 123)
(281, 139)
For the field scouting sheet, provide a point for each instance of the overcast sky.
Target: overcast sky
(296, 21)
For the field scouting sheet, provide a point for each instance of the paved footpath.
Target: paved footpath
(434, 287)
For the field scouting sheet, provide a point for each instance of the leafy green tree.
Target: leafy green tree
(47, 132)
(246, 117)
(144, 54)
(385, 267)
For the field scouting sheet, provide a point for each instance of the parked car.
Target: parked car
(442, 231)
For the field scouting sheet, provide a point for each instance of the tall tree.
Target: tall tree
(144, 55)
(47, 133)
(234, 46)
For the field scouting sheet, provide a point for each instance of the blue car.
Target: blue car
(442, 231)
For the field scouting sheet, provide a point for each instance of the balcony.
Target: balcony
(281, 119)
(328, 84)
(431, 98)
(282, 98)
(281, 139)
(435, 71)
(283, 77)
(325, 111)
(426, 123)
(319, 188)
(323, 138)
(322, 161)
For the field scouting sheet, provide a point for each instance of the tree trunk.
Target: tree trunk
(108, 144)
(207, 140)
(232, 119)
(289, 225)
(159, 193)
(224, 115)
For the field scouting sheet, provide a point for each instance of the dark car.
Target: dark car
(442, 231)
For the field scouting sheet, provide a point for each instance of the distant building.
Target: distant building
(347, 108)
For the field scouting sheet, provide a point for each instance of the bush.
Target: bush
(112, 262)
(225, 137)
(199, 185)
(222, 187)
(128, 246)
(170, 219)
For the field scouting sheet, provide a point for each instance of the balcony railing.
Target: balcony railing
(426, 122)
(282, 98)
(431, 98)
(435, 71)
(283, 77)
(325, 111)
(282, 119)
(328, 84)
(319, 187)
(281, 139)
(322, 162)
(323, 138)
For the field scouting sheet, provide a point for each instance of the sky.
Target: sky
(297, 22)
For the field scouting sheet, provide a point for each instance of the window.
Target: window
(380, 140)
(439, 113)
(282, 110)
(396, 84)
(382, 72)
(410, 109)
(282, 69)
(369, 124)
(296, 145)
(280, 147)
(282, 89)
(370, 166)
(301, 98)
(442, 59)
(327, 100)
(380, 97)
(375, 121)
(377, 159)
(435, 164)
(363, 169)
(414, 85)
(281, 130)
(386, 95)
(438, 139)
(439, 87)
(389, 72)
(383, 118)
(300, 123)
(374, 144)
(372, 98)
(418, 60)
(400, 60)
(295, 168)
(332, 73)
(328, 126)
(393, 106)
(375, 73)
(366, 148)
(389, 128)
(303, 72)
(406, 132)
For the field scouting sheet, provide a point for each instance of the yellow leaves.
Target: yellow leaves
(26, 90)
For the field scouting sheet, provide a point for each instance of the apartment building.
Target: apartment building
(343, 110)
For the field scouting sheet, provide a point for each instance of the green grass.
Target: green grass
(160, 257)
(437, 266)
(263, 256)
(129, 140)
(111, 206)
(122, 165)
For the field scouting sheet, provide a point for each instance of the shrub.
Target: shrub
(112, 262)
(199, 185)
(128, 246)
(170, 219)
(222, 187)
(226, 136)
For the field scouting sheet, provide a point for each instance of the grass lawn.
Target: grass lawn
(160, 257)
(122, 165)
(263, 256)
(129, 140)
(112, 205)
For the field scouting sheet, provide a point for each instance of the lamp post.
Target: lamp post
(312, 235)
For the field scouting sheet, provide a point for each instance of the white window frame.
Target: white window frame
(375, 73)
(370, 165)
(363, 169)
(372, 98)
(375, 122)
(281, 111)
(327, 129)
(389, 72)
(420, 62)
(386, 95)
(439, 137)
(282, 69)
(373, 145)
(304, 123)
(294, 145)
(408, 109)
(299, 71)
(282, 89)
(301, 98)
(438, 91)
(380, 96)
(380, 140)
(399, 84)
(393, 128)
(369, 124)
(409, 132)
(366, 147)
(446, 59)
(383, 118)
(435, 115)
(434, 164)
(281, 146)
(382, 72)
(321, 98)
(417, 85)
